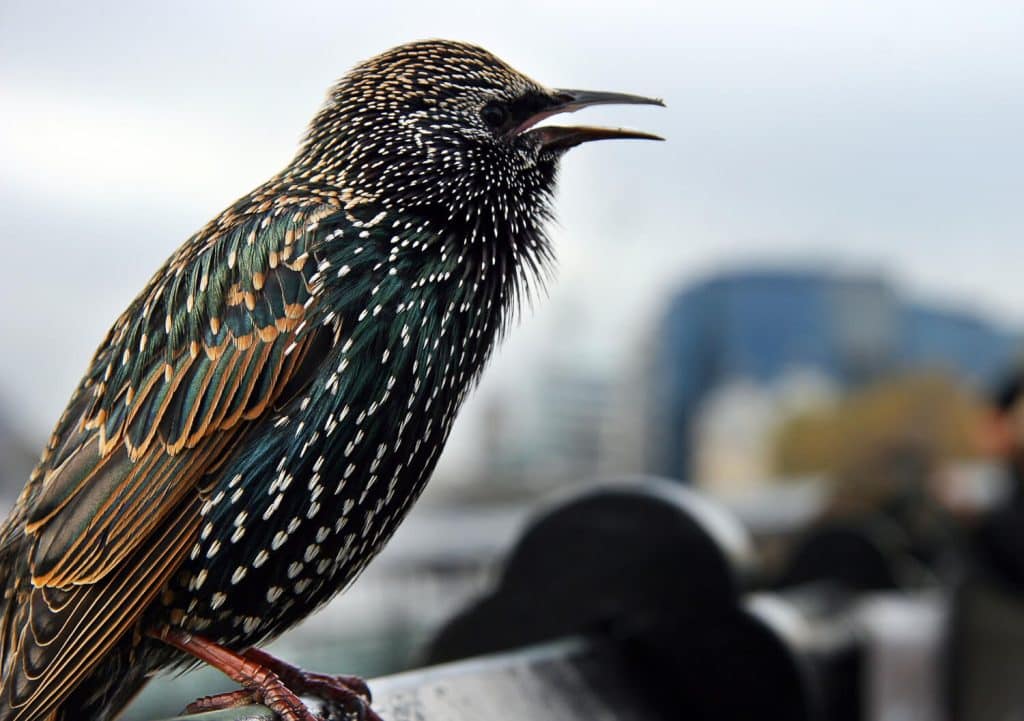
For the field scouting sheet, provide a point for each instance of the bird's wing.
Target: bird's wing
(219, 335)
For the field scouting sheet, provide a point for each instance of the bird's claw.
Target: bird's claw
(346, 697)
(279, 700)
(216, 702)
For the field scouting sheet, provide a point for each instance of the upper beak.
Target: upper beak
(568, 101)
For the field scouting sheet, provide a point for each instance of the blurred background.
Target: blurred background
(805, 303)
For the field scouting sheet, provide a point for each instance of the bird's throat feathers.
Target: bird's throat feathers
(437, 262)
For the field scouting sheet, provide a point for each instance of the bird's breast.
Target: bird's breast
(319, 486)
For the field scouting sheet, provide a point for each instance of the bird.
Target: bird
(256, 424)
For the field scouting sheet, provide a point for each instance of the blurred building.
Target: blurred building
(554, 432)
(736, 430)
(958, 341)
(729, 348)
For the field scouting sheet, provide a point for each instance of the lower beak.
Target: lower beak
(558, 138)
(568, 101)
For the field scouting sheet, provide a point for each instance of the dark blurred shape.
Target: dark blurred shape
(986, 653)
(1007, 393)
(761, 324)
(819, 627)
(856, 556)
(604, 557)
(998, 536)
(659, 571)
(998, 544)
(986, 646)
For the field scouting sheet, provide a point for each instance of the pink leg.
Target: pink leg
(262, 684)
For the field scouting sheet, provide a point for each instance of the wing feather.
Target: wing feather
(207, 349)
(66, 630)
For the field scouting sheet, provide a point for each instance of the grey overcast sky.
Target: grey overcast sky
(866, 135)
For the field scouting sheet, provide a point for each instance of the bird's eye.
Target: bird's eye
(494, 114)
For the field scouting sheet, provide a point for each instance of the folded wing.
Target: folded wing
(218, 337)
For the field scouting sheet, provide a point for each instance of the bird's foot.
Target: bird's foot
(266, 690)
(348, 694)
(272, 682)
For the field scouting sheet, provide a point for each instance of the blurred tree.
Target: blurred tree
(882, 442)
(883, 450)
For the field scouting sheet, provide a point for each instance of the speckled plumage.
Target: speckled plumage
(259, 420)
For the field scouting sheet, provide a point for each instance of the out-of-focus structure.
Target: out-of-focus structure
(735, 356)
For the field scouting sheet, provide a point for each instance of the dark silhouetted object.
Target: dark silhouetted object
(657, 572)
(998, 539)
(260, 419)
(870, 555)
(986, 651)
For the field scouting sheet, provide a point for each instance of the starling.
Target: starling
(260, 419)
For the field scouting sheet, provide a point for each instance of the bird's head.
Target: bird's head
(441, 123)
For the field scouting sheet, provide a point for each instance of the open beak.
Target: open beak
(569, 101)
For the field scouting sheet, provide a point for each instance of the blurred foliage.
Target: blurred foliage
(883, 442)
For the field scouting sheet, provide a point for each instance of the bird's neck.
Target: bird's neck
(474, 214)
(484, 253)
